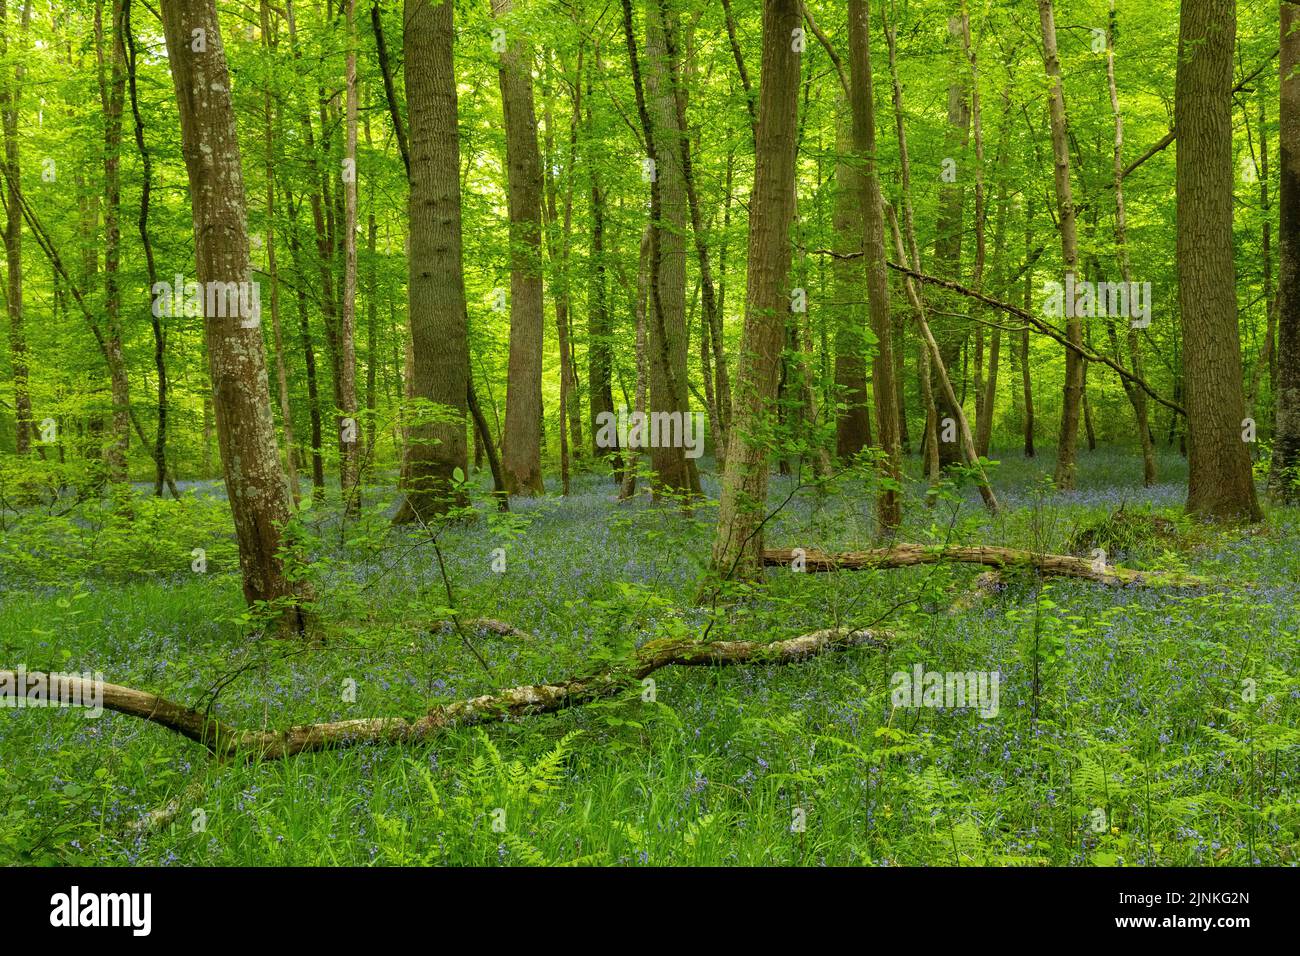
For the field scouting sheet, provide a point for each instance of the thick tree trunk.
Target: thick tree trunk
(436, 295)
(738, 545)
(1219, 481)
(522, 451)
(255, 484)
(675, 474)
(10, 101)
(1285, 477)
(889, 508)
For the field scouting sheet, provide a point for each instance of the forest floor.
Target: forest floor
(1134, 725)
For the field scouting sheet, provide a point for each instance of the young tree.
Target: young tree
(436, 294)
(1219, 481)
(255, 483)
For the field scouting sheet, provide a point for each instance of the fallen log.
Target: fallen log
(911, 555)
(223, 740)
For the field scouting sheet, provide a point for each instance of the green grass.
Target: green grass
(1144, 711)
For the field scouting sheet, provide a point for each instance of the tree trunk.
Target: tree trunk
(738, 545)
(436, 295)
(1219, 482)
(161, 475)
(949, 334)
(255, 484)
(272, 268)
(1072, 403)
(522, 452)
(349, 427)
(628, 486)
(889, 511)
(675, 474)
(10, 100)
(309, 354)
(1137, 398)
(113, 97)
(853, 422)
(1284, 479)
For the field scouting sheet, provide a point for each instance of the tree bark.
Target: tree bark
(1072, 402)
(1219, 482)
(522, 452)
(113, 98)
(436, 291)
(10, 106)
(1284, 479)
(853, 422)
(675, 474)
(272, 268)
(1137, 398)
(255, 484)
(951, 226)
(738, 544)
(349, 427)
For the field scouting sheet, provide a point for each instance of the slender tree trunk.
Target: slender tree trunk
(1219, 484)
(255, 484)
(113, 94)
(853, 423)
(628, 486)
(349, 427)
(1137, 398)
(161, 475)
(272, 268)
(950, 335)
(372, 319)
(1026, 378)
(738, 545)
(522, 452)
(309, 354)
(1072, 403)
(436, 304)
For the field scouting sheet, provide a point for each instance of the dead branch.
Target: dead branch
(912, 555)
(224, 740)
